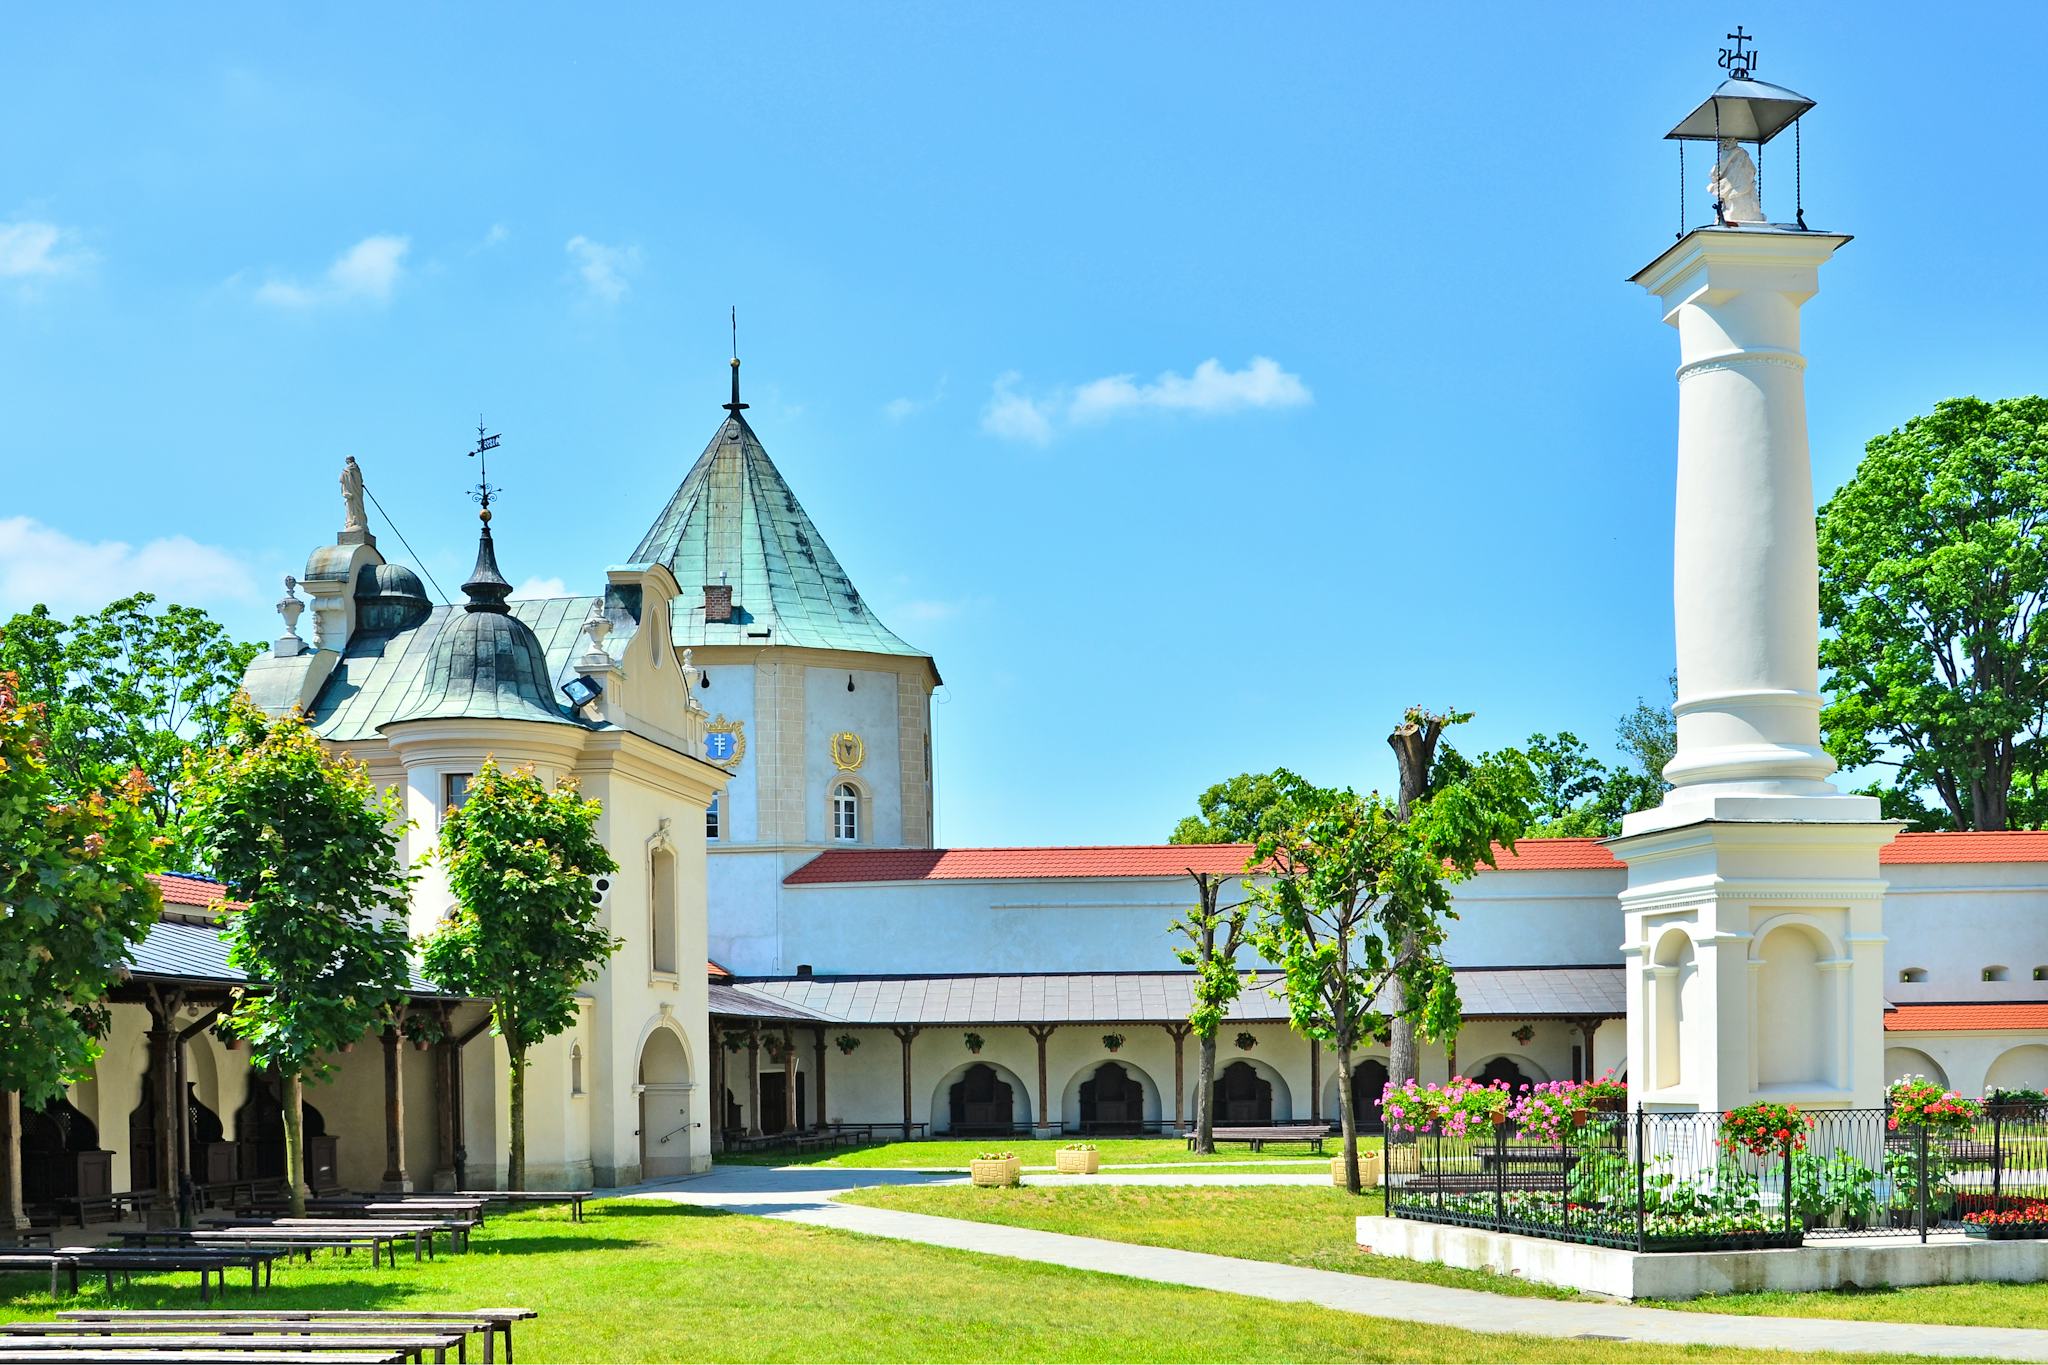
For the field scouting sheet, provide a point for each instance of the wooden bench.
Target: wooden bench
(1258, 1136)
(381, 1243)
(212, 1262)
(23, 1338)
(145, 1352)
(573, 1198)
(487, 1323)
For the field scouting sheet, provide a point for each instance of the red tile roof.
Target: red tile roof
(1951, 1018)
(1969, 846)
(180, 888)
(716, 972)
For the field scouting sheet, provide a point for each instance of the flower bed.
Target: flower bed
(1559, 1219)
(2008, 1219)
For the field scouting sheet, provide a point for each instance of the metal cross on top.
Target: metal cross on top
(1736, 62)
(485, 489)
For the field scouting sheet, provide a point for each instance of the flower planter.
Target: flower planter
(1068, 1161)
(2005, 1232)
(1371, 1170)
(995, 1171)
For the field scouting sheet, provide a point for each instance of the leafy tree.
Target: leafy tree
(127, 688)
(526, 931)
(74, 895)
(307, 841)
(1570, 787)
(1934, 566)
(1649, 735)
(1235, 811)
(1215, 935)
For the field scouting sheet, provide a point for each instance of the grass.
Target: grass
(1293, 1224)
(1952, 1305)
(645, 1281)
(947, 1155)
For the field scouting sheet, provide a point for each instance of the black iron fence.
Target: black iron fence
(1676, 1182)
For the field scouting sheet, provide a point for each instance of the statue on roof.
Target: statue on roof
(352, 497)
(1734, 186)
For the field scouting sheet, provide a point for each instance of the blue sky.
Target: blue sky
(1200, 384)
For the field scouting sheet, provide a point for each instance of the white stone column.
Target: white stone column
(1769, 871)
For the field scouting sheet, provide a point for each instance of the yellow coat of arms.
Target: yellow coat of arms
(848, 753)
(725, 743)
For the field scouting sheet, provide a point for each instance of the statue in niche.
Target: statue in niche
(352, 497)
(1734, 185)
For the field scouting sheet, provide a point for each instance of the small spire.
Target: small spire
(735, 407)
(486, 588)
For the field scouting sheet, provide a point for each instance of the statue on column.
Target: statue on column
(1734, 185)
(352, 498)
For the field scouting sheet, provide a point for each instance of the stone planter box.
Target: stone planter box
(1069, 1162)
(1371, 1169)
(996, 1171)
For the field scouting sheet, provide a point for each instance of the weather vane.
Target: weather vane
(1736, 62)
(485, 489)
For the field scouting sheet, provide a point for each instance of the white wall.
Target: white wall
(870, 711)
(1952, 920)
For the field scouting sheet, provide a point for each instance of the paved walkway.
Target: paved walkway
(807, 1195)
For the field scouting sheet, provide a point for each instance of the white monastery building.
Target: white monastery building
(797, 952)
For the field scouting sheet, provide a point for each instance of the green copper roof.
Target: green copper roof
(735, 521)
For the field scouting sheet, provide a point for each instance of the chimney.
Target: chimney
(717, 603)
(803, 969)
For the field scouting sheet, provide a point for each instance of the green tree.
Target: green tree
(1215, 934)
(127, 688)
(526, 931)
(75, 895)
(1235, 811)
(1648, 734)
(309, 844)
(1934, 566)
(1570, 788)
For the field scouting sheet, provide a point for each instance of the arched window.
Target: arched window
(846, 813)
(1913, 976)
(662, 911)
(575, 1069)
(1995, 973)
(711, 819)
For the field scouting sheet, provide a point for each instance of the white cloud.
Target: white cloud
(540, 587)
(499, 233)
(39, 563)
(604, 268)
(1015, 417)
(367, 272)
(1209, 392)
(35, 250)
(901, 409)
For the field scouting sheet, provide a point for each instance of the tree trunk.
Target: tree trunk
(515, 1156)
(1205, 1095)
(1414, 746)
(295, 1141)
(1352, 1184)
(13, 1217)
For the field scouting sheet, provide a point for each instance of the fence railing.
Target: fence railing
(1671, 1182)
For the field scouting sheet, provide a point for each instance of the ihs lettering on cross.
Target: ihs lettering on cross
(1736, 62)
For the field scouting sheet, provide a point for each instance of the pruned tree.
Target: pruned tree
(1934, 570)
(128, 688)
(309, 844)
(526, 931)
(75, 895)
(1215, 934)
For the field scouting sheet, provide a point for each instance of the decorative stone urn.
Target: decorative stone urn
(996, 1170)
(1077, 1161)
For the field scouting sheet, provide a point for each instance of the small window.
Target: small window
(1913, 975)
(1995, 973)
(662, 912)
(2041, 973)
(454, 790)
(846, 813)
(575, 1069)
(711, 819)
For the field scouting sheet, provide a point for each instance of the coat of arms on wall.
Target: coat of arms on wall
(848, 753)
(725, 742)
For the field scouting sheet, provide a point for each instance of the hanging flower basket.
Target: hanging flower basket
(996, 1169)
(1077, 1158)
(1112, 1041)
(1523, 1034)
(847, 1043)
(975, 1042)
(1246, 1042)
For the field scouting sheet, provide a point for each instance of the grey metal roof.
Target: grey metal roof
(179, 950)
(1148, 997)
(734, 1002)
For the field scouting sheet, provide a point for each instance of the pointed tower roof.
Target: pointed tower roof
(734, 523)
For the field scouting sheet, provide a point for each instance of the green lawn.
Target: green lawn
(1958, 1305)
(943, 1154)
(1293, 1224)
(646, 1281)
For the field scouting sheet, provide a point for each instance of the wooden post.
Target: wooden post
(754, 1079)
(1179, 1033)
(789, 1081)
(13, 1215)
(395, 1175)
(1041, 1032)
(182, 1094)
(1315, 1080)
(444, 1109)
(818, 1113)
(905, 1033)
(717, 1123)
(163, 1067)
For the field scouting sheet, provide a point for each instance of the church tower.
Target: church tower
(819, 711)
